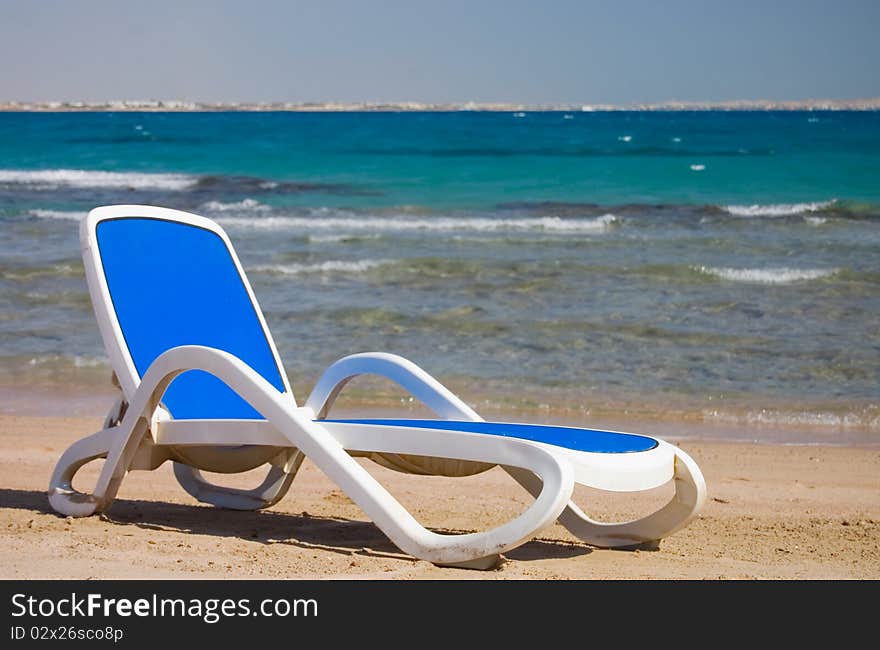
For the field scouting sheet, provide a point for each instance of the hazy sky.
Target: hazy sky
(539, 51)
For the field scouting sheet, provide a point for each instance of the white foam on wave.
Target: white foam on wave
(77, 361)
(57, 214)
(245, 205)
(330, 266)
(816, 221)
(443, 224)
(776, 209)
(25, 273)
(49, 179)
(698, 168)
(782, 275)
(625, 138)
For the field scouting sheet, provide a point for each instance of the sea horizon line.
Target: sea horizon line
(176, 105)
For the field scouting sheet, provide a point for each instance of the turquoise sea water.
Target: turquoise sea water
(716, 265)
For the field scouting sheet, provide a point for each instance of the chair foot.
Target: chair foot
(70, 503)
(63, 497)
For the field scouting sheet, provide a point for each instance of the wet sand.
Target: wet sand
(774, 512)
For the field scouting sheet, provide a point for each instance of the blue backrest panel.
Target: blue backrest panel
(592, 440)
(176, 284)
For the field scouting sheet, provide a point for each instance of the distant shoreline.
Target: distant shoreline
(867, 104)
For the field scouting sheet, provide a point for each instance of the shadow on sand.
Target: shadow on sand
(344, 536)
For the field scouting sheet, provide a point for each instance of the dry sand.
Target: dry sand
(779, 512)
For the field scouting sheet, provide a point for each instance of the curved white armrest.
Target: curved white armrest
(403, 372)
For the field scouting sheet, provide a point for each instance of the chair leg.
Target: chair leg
(689, 497)
(62, 496)
(70, 502)
(266, 494)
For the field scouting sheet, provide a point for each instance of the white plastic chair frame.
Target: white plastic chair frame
(139, 434)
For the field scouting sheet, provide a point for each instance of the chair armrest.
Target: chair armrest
(401, 371)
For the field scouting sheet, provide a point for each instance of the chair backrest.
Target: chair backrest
(161, 278)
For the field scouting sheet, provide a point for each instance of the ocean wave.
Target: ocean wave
(777, 209)
(481, 224)
(250, 185)
(216, 192)
(77, 361)
(782, 275)
(837, 209)
(768, 417)
(343, 238)
(71, 268)
(329, 266)
(50, 179)
(57, 214)
(245, 205)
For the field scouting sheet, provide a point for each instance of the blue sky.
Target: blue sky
(477, 50)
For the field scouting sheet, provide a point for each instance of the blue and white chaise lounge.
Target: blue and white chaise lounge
(202, 385)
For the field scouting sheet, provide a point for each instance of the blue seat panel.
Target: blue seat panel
(176, 284)
(602, 442)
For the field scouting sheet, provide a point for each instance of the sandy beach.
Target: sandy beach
(774, 512)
